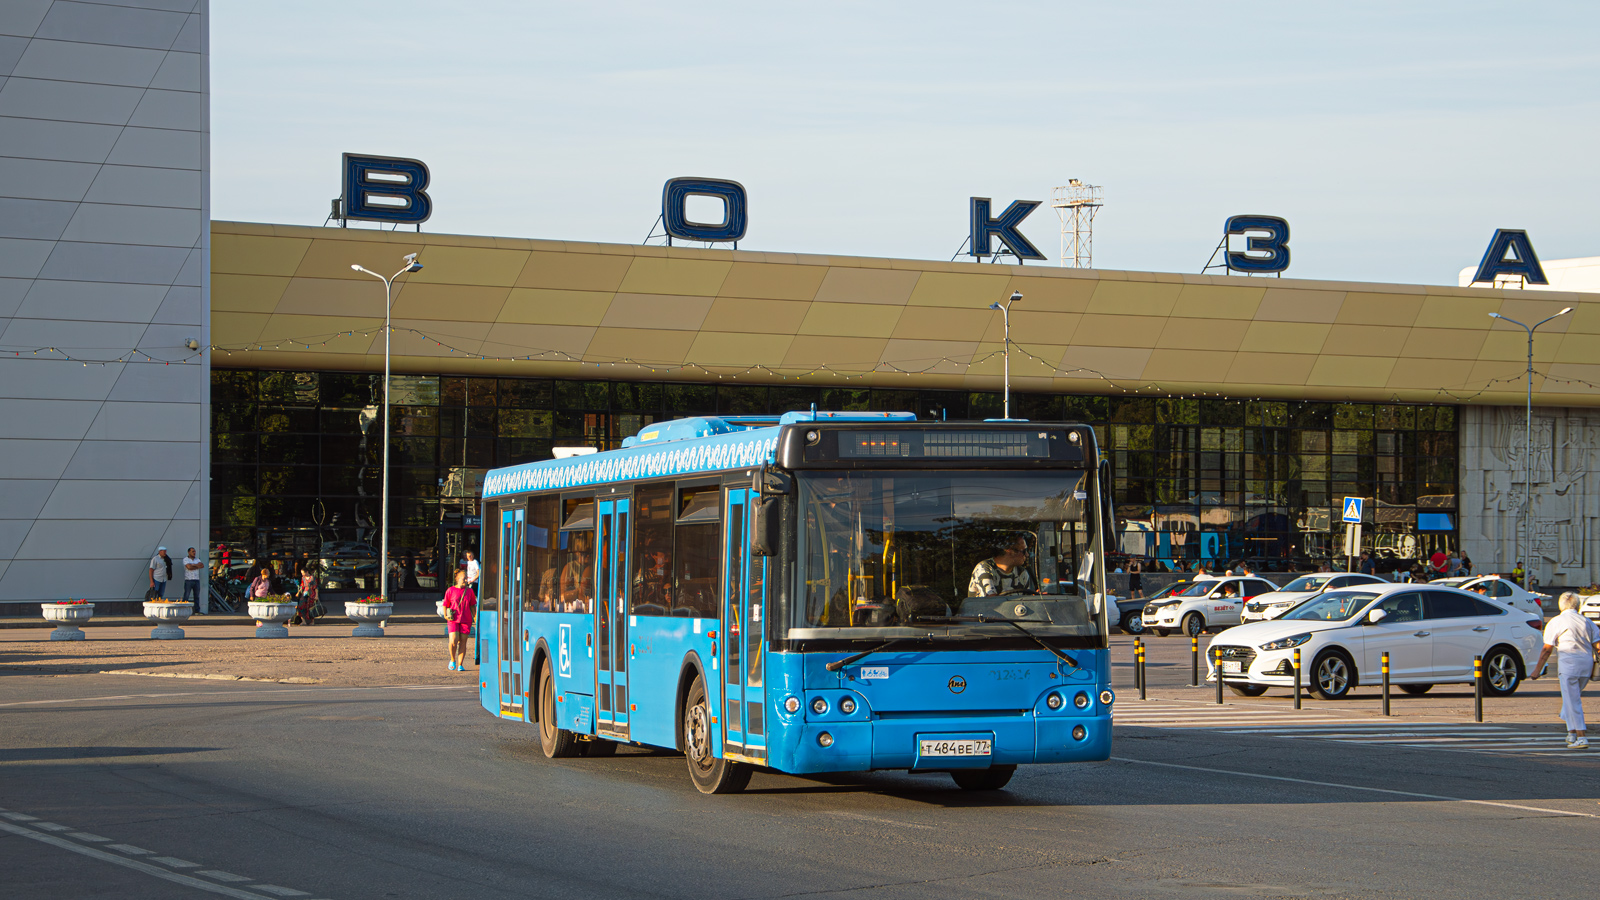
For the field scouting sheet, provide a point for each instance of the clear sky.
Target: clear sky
(1394, 137)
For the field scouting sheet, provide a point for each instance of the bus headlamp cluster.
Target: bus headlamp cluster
(819, 706)
(792, 705)
(1081, 701)
(1054, 700)
(847, 705)
(825, 740)
(1106, 697)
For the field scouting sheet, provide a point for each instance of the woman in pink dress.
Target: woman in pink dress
(460, 605)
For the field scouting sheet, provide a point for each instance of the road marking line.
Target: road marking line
(20, 817)
(1354, 787)
(137, 865)
(128, 849)
(51, 826)
(86, 836)
(280, 891)
(175, 863)
(311, 690)
(222, 876)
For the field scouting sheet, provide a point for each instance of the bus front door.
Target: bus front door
(744, 728)
(509, 624)
(611, 618)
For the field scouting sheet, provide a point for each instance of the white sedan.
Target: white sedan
(1207, 605)
(1506, 591)
(1276, 603)
(1430, 633)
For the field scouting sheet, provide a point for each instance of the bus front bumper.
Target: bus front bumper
(899, 743)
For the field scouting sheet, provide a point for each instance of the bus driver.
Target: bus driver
(1006, 572)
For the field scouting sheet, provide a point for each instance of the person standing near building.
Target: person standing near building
(1466, 564)
(160, 573)
(1571, 637)
(473, 571)
(1136, 579)
(1517, 573)
(191, 576)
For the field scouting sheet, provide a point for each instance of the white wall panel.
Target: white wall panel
(35, 459)
(22, 498)
(126, 500)
(46, 419)
(145, 186)
(127, 269)
(168, 109)
(96, 63)
(93, 301)
(103, 104)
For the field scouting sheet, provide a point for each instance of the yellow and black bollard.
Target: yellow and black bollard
(1297, 678)
(1138, 670)
(1194, 660)
(1386, 682)
(1143, 685)
(1477, 689)
(1216, 659)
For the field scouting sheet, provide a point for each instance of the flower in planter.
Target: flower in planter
(370, 598)
(273, 598)
(73, 603)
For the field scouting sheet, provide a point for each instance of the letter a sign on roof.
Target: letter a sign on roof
(1352, 509)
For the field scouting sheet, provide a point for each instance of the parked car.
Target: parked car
(1276, 603)
(1430, 633)
(1508, 591)
(1590, 606)
(1207, 605)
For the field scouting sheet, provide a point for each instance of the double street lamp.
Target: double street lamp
(388, 306)
(1005, 315)
(1525, 533)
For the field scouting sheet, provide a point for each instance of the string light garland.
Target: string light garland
(127, 356)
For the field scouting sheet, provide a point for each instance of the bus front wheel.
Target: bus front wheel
(991, 779)
(557, 743)
(710, 774)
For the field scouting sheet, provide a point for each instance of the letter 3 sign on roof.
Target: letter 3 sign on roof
(1352, 510)
(1275, 245)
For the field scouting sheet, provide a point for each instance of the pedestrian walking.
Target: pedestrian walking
(473, 571)
(160, 574)
(305, 611)
(1136, 579)
(192, 567)
(460, 604)
(1571, 637)
(1455, 564)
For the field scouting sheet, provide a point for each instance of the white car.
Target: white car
(1507, 591)
(1276, 603)
(1430, 633)
(1589, 605)
(1207, 605)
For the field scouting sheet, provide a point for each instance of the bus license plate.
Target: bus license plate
(958, 748)
(1231, 667)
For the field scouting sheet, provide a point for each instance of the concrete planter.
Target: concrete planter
(369, 617)
(270, 618)
(167, 617)
(67, 616)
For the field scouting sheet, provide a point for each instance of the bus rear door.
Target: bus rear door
(744, 727)
(509, 626)
(611, 618)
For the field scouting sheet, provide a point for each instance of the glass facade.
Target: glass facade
(295, 458)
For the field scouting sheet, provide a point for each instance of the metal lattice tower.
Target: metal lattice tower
(1076, 203)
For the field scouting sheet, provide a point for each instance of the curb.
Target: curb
(114, 621)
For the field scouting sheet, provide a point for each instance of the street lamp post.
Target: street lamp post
(388, 306)
(1005, 315)
(1525, 533)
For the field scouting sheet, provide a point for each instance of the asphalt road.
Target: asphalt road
(148, 788)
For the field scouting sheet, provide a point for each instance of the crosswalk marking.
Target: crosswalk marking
(1280, 722)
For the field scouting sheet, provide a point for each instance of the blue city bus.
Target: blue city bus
(816, 592)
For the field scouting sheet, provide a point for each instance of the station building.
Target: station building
(1236, 412)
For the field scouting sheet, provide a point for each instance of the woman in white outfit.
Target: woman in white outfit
(1572, 638)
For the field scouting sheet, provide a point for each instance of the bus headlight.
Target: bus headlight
(1053, 700)
(791, 705)
(847, 705)
(1106, 697)
(1081, 701)
(1079, 732)
(819, 706)
(825, 740)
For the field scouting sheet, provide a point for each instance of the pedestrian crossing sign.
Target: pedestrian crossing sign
(1352, 509)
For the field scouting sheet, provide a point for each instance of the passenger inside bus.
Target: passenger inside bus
(577, 582)
(652, 588)
(1006, 572)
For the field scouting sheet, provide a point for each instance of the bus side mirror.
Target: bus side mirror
(765, 525)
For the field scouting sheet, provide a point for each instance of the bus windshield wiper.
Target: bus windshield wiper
(838, 664)
(981, 619)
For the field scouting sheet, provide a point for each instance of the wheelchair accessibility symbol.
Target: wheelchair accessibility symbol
(564, 652)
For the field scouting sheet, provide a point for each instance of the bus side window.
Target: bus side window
(698, 564)
(653, 593)
(489, 559)
(540, 565)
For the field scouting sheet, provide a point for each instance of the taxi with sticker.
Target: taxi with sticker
(1208, 605)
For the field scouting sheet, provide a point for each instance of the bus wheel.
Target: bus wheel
(557, 743)
(709, 774)
(991, 779)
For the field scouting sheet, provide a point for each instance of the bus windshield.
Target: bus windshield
(892, 553)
